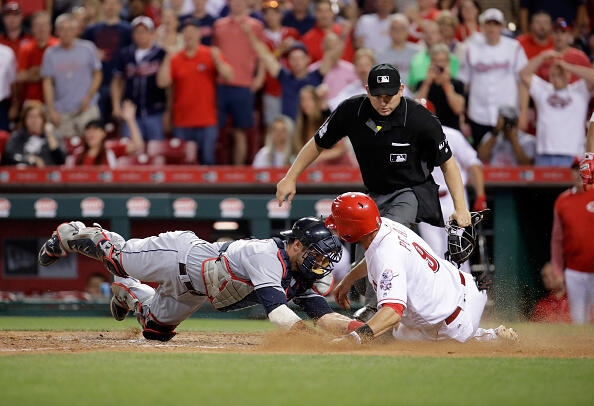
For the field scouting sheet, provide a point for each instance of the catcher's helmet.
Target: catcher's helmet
(462, 240)
(323, 249)
(353, 216)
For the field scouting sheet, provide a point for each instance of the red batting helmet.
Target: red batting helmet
(353, 216)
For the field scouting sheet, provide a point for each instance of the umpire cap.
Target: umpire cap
(383, 79)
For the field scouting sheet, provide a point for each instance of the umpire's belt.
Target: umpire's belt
(185, 279)
(456, 312)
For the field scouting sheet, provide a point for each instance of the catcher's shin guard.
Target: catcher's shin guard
(92, 242)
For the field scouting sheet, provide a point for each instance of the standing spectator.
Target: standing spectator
(168, 36)
(506, 145)
(192, 75)
(297, 75)
(539, 38)
(206, 21)
(554, 307)
(94, 151)
(279, 39)
(373, 30)
(235, 96)
(419, 65)
(562, 39)
(571, 247)
(71, 74)
(31, 55)
(562, 109)
(363, 62)
(35, 143)
(341, 72)
(8, 77)
(428, 9)
(491, 73)
(312, 113)
(135, 79)
(401, 52)
(109, 36)
(572, 11)
(468, 15)
(444, 92)
(14, 35)
(277, 151)
(448, 24)
(299, 17)
(325, 24)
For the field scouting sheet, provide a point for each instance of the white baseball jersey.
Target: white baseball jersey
(8, 72)
(374, 32)
(561, 111)
(403, 269)
(492, 74)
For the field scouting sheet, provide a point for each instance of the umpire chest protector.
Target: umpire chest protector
(394, 152)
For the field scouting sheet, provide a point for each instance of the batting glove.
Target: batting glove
(480, 203)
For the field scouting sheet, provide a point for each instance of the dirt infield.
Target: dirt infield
(26, 342)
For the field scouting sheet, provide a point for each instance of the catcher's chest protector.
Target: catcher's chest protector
(222, 287)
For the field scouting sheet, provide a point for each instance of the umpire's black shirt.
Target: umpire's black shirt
(395, 151)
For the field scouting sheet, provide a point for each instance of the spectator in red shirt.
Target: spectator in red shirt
(235, 96)
(571, 247)
(562, 39)
(31, 55)
(539, 38)
(192, 76)
(554, 307)
(14, 34)
(325, 24)
(94, 151)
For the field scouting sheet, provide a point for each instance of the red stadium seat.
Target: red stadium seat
(72, 144)
(139, 160)
(4, 136)
(174, 151)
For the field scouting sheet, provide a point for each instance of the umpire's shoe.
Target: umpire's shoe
(51, 251)
(119, 310)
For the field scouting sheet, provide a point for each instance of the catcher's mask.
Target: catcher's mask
(462, 240)
(322, 248)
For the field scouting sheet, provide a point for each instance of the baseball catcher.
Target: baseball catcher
(231, 275)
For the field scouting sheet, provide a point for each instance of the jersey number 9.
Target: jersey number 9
(432, 262)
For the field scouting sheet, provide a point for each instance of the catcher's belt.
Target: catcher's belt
(223, 288)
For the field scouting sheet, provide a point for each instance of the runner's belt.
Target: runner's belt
(456, 312)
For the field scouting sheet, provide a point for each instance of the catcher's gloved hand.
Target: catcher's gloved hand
(587, 170)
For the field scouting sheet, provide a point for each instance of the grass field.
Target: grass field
(162, 378)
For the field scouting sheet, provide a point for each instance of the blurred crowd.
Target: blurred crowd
(126, 82)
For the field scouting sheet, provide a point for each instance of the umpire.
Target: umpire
(397, 143)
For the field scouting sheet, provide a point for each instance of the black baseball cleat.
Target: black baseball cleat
(119, 311)
(51, 251)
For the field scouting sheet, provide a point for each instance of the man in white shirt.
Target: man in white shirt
(400, 52)
(490, 71)
(8, 77)
(373, 30)
(419, 295)
(562, 108)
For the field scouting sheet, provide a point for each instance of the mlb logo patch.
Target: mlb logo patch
(383, 79)
(398, 157)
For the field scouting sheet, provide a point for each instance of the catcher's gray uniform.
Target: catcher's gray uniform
(190, 270)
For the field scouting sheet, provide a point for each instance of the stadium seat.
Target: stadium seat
(72, 144)
(174, 151)
(139, 160)
(4, 136)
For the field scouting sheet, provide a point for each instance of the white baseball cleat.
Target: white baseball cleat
(508, 334)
